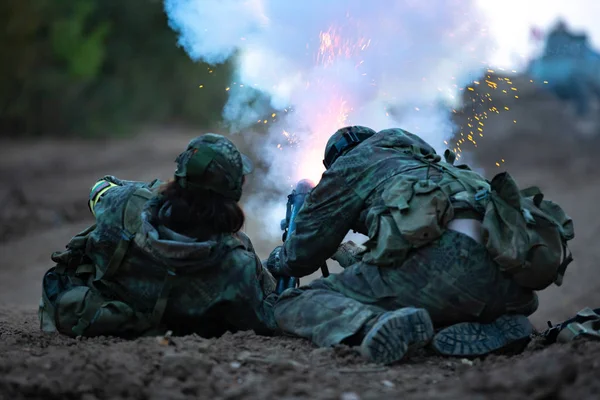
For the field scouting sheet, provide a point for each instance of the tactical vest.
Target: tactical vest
(525, 235)
(75, 266)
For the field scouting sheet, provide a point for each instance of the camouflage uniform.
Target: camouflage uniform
(127, 275)
(448, 274)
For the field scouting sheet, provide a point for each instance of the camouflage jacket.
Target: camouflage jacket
(218, 284)
(352, 196)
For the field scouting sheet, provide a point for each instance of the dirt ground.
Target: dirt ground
(43, 193)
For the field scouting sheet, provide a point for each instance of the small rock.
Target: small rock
(321, 351)
(349, 396)
(165, 340)
(387, 383)
(466, 361)
(449, 365)
(235, 365)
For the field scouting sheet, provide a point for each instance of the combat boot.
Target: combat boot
(395, 332)
(507, 334)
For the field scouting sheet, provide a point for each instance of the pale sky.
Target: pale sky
(510, 23)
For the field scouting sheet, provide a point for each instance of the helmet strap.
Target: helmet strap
(348, 140)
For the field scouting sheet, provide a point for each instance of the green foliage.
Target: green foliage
(91, 67)
(82, 52)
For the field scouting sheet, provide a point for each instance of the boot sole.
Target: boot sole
(395, 333)
(509, 333)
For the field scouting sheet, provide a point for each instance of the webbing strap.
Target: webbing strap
(85, 269)
(560, 273)
(84, 321)
(48, 305)
(454, 188)
(117, 258)
(163, 299)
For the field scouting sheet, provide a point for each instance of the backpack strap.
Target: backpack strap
(131, 225)
(230, 243)
(163, 298)
(567, 259)
(119, 254)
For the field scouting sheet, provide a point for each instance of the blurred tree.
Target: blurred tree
(90, 67)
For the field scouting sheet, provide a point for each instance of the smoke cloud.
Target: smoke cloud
(324, 64)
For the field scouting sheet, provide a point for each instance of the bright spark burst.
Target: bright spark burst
(332, 47)
(482, 108)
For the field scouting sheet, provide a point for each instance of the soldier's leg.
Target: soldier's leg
(455, 280)
(483, 308)
(447, 278)
(508, 332)
(326, 317)
(321, 314)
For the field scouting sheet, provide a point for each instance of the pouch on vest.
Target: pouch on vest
(526, 235)
(416, 213)
(81, 311)
(71, 305)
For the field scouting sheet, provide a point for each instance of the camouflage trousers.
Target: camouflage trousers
(453, 278)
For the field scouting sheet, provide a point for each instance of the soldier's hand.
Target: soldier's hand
(348, 253)
(274, 262)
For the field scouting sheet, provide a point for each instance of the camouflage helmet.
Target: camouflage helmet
(409, 139)
(343, 140)
(212, 162)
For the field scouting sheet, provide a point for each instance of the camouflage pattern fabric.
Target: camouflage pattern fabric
(445, 272)
(453, 278)
(213, 162)
(352, 196)
(164, 281)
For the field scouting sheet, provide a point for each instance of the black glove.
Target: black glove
(274, 262)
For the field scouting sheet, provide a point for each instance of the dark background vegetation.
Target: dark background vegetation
(91, 67)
